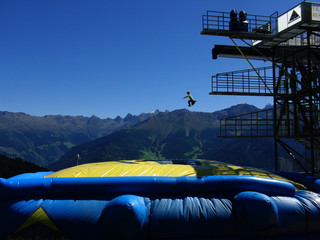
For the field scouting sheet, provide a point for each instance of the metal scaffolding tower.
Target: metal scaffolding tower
(291, 42)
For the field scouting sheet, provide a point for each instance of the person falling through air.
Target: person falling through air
(191, 100)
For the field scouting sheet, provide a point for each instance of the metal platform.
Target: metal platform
(233, 52)
(258, 27)
(243, 35)
(244, 82)
(285, 50)
(266, 31)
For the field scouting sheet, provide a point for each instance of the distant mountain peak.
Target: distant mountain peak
(242, 108)
(129, 117)
(155, 112)
(268, 105)
(118, 119)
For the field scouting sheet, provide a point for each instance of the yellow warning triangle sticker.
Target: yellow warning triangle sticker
(38, 216)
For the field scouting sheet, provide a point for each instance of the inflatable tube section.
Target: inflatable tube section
(12, 188)
(247, 215)
(312, 183)
(191, 218)
(311, 204)
(30, 175)
(256, 214)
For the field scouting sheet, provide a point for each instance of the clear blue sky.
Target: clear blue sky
(112, 57)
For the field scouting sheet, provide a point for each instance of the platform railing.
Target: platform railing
(258, 124)
(244, 82)
(215, 20)
(261, 124)
(302, 40)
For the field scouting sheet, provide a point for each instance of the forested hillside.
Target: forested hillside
(13, 166)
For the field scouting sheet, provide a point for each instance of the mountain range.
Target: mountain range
(53, 141)
(179, 134)
(43, 140)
